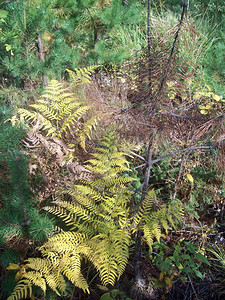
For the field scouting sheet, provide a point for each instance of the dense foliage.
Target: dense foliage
(112, 149)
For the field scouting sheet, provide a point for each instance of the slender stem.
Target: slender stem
(164, 78)
(137, 256)
(149, 49)
(139, 156)
(183, 150)
(140, 166)
(42, 56)
(188, 118)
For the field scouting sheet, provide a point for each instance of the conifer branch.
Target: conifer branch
(20, 187)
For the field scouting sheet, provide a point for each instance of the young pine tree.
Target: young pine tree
(21, 224)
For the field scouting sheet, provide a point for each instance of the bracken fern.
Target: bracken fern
(100, 224)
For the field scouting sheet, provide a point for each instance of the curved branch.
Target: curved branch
(183, 150)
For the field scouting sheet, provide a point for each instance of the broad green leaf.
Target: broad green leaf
(187, 270)
(198, 273)
(179, 265)
(102, 287)
(202, 258)
(106, 296)
(185, 256)
(164, 267)
(3, 13)
(190, 247)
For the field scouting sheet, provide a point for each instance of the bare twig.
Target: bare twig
(140, 166)
(189, 118)
(139, 156)
(164, 78)
(183, 150)
(196, 296)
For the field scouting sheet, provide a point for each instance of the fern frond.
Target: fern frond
(36, 279)
(22, 290)
(81, 283)
(53, 283)
(38, 264)
(80, 214)
(67, 123)
(156, 229)
(83, 200)
(111, 254)
(145, 208)
(59, 113)
(73, 215)
(27, 115)
(81, 76)
(67, 107)
(46, 111)
(148, 236)
(85, 132)
(89, 191)
(165, 225)
(63, 242)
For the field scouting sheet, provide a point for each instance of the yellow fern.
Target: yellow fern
(152, 222)
(22, 290)
(145, 208)
(36, 279)
(99, 208)
(100, 226)
(61, 115)
(111, 254)
(81, 76)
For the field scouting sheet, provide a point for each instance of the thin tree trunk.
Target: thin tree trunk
(42, 56)
(149, 50)
(164, 79)
(137, 257)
